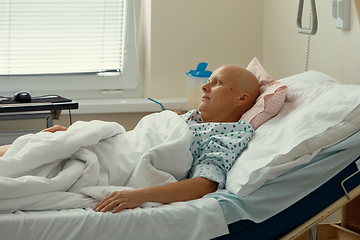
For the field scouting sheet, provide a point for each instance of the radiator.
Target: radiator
(7, 137)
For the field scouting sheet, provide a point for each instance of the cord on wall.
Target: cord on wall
(308, 45)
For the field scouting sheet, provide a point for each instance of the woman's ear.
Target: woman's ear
(243, 99)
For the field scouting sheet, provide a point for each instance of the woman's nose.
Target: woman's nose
(205, 87)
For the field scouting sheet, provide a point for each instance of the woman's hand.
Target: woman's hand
(185, 190)
(3, 149)
(55, 128)
(52, 129)
(120, 200)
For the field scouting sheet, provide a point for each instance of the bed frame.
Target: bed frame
(301, 220)
(347, 229)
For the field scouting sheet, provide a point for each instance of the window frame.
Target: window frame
(91, 85)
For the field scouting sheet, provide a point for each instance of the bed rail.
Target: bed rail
(306, 226)
(343, 182)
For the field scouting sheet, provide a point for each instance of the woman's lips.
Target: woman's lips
(205, 97)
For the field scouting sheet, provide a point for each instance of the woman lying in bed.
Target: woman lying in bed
(218, 139)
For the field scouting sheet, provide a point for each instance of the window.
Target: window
(70, 47)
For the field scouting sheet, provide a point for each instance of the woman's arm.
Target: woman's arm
(55, 128)
(3, 149)
(185, 190)
(52, 129)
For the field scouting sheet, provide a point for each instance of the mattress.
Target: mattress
(285, 221)
(289, 200)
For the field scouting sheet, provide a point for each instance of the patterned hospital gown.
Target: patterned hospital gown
(215, 146)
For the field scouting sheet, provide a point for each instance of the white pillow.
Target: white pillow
(318, 112)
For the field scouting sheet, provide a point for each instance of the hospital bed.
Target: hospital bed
(299, 218)
(280, 199)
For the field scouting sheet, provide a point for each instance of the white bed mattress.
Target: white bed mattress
(198, 219)
(280, 193)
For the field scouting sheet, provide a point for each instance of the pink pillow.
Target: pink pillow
(271, 99)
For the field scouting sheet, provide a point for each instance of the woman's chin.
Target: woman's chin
(202, 107)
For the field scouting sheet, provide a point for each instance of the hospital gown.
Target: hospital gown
(215, 146)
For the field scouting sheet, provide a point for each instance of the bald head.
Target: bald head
(246, 81)
(229, 93)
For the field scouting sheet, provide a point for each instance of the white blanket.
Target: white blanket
(78, 167)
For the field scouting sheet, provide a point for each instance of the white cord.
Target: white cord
(307, 53)
(308, 45)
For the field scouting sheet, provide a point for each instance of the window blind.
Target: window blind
(61, 36)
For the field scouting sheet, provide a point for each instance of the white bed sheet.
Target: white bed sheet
(279, 193)
(193, 220)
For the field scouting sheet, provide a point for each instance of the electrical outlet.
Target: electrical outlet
(341, 12)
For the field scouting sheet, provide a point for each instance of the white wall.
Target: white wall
(186, 32)
(332, 51)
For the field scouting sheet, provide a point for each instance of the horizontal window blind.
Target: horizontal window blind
(61, 36)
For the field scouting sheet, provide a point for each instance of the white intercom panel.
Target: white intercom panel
(341, 12)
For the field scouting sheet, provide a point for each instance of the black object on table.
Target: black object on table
(46, 107)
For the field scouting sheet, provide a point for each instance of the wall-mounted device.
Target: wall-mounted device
(341, 12)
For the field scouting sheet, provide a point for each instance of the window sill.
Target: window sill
(126, 105)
